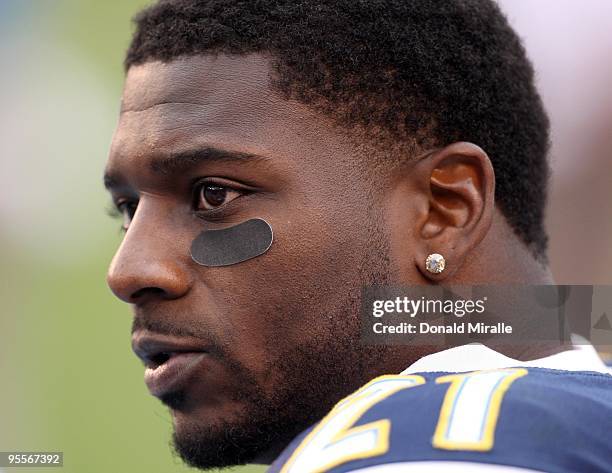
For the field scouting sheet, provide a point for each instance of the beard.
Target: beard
(309, 378)
(312, 381)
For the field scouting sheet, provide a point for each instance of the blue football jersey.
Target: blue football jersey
(531, 418)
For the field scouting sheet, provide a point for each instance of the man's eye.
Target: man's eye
(127, 209)
(212, 196)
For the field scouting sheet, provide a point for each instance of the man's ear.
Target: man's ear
(458, 182)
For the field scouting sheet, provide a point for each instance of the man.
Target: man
(332, 145)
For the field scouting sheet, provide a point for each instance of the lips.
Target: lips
(170, 361)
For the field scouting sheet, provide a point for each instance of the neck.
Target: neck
(502, 259)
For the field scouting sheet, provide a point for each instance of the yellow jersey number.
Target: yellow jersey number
(467, 419)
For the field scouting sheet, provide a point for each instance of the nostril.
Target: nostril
(141, 293)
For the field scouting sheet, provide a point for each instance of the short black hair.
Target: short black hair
(421, 72)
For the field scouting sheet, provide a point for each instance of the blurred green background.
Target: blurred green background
(69, 379)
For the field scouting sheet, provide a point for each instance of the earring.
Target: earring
(435, 263)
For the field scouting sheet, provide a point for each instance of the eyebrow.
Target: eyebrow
(175, 163)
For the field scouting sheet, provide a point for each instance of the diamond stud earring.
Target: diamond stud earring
(435, 263)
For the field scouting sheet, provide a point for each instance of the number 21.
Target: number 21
(467, 420)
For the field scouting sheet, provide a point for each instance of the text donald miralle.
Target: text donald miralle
(413, 308)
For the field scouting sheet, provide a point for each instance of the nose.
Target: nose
(148, 266)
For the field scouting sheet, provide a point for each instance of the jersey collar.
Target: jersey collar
(476, 356)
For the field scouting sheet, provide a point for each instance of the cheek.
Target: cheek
(405, 224)
(232, 245)
(284, 297)
(313, 262)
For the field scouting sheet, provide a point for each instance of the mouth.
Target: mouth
(170, 362)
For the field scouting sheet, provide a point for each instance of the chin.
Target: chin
(216, 442)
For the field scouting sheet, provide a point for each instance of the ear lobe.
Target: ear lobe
(461, 187)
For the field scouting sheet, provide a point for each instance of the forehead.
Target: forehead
(222, 101)
(226, 102)
(201, 80)
(192, 100)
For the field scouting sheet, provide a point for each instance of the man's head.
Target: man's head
(344, 124)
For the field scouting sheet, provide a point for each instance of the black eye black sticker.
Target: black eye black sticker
(232, 245)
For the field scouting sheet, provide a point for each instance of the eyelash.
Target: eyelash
(217, 212)
(112, 211)
(115, 211)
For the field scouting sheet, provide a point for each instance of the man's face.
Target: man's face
(206, 143)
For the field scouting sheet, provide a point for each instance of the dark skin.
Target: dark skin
(339, 222)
